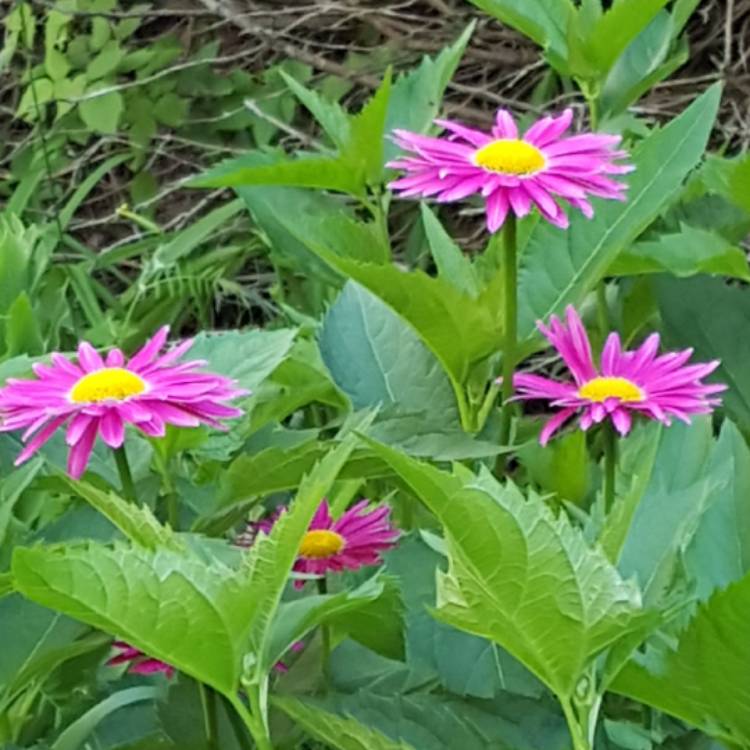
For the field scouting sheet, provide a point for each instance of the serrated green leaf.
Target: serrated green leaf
(544, 21)
(172, 606)
(416, 95)
(689, 252)
(105, 62)
(377, 360)
(560, 268)
(337, 731)
(519, 574)
(136, 522)
(703, 678)
(326, 173)
(329, 114)
(6, 584)
(22, 332)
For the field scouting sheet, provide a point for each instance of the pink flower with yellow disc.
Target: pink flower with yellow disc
(625, 383)
(98, 396)
(513, 173)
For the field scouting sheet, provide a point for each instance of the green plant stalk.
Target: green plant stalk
(602, 310)
(253, 718)
(510, 333)
(577, 734)
(208, 704)
(126, 478)
(610, 465)
(325, 635)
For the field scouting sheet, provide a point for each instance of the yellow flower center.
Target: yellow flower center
(510, 156)
(321, 543)
(600, 389)
(107, 384)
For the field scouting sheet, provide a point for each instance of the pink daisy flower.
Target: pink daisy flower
(100, 396)
(350, 542)
(512, 173)
(139, 662)
(627, 382)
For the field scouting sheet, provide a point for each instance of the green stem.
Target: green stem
(577, 734)
(253, 721)
(208, 703)
(610, 465)
(325, 634)
(510, 334)
(126, 478)
(173, 510)
(602, 310)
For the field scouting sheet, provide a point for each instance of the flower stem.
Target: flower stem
(602, 310)
(253, 721)
(208, 704)
(325, 634)
(610, 465)
(577, 734)
(510, 333)
(126, 478)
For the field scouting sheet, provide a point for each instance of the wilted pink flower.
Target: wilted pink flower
(350, 542)
(512, 173)
(139, 662)
(659, 387)
(99, 396)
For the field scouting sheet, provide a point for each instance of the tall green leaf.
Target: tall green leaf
(706, 314)
(524, 578)
(336, 731)
(703, 678)
(172, 606)
(544, 21)
(376, 359)
(560, 268)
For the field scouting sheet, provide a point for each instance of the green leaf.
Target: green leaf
(706, 314)
(6, 584)
(326, 173)
(560, 268)
(416, 95)
(137, 523)
(336, 731)
(247, 356)
(277, 469)
(105, 62)
(274, 555)
(689, 252)
(364, 149)
(370, 614)
(174, 606)
(171, 110)
(75, 735)
(16, 249)
(329, 114)
(543, 21)
(38, 93)
(719, 552)
(644, 63)
(679, 490)
(518, 573)
(617, 28)
(703, 678)
(421, 721)
(22, 334)
(102, 112)
(376, 359)
(458, 330)
(453, 266)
